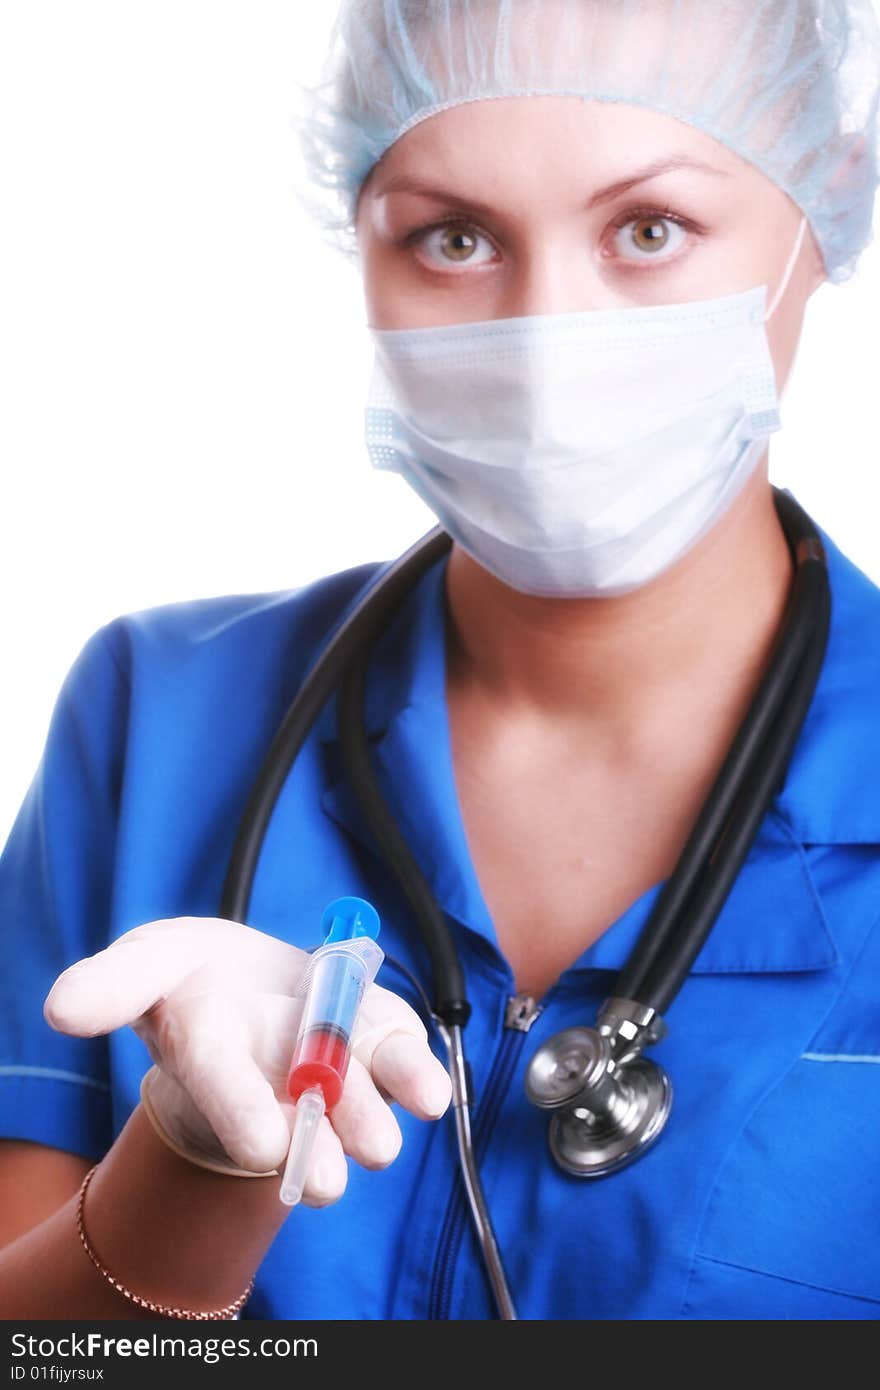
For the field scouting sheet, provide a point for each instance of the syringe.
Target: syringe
(334, 983)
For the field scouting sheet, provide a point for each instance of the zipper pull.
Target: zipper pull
(521, 1012)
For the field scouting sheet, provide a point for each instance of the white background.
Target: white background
(183, 362)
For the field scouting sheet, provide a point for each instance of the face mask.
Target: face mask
(579, 454)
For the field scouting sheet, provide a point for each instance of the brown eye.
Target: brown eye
(457, 243)
(453, 244)
(650, 234)
(648, 237)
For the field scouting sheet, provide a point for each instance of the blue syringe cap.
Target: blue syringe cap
(347, 918)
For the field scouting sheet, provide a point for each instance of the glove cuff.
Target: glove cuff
(200, 1160)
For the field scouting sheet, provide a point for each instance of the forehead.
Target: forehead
(556, 140)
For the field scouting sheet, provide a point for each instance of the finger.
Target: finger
(368, 1129)
(407, 1069)
(382, 1012)
(146, 965)
(364, 1122)
(206, 1051)
(328, 1171)
(270, 1023)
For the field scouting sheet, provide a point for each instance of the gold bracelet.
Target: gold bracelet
(217, 1314)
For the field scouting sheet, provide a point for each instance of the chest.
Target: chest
(562, 842)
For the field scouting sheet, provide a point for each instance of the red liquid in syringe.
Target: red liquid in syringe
(320, 1059)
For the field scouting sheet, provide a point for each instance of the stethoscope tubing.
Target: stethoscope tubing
(449, 998)
(361, 625)
(664, 974)
(450, 1009)
(461, 1102)
(753, 768)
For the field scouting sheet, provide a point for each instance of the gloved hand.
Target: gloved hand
(213, 1002)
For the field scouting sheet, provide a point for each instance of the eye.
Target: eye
(644, 234)
(450, 243)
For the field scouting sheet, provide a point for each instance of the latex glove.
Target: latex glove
(213, 1002)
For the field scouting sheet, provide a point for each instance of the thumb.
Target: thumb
(129, 977)
(96, 997)
(113, 987)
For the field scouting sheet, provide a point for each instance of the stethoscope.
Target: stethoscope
(608, 1102)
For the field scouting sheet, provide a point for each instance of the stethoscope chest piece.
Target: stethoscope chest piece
(610, 1105)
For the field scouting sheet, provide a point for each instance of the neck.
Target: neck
(633, 669)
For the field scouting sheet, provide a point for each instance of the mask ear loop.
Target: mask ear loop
(786, 275)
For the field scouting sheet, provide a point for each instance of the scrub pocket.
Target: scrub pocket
(792, 1225)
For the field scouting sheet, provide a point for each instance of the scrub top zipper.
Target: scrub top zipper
(519, 1015)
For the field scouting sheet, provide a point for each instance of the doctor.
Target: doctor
(547, 714)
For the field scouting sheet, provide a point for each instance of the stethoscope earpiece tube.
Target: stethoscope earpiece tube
(449, 996)
(356, 630)
(676, 930)
(663, 981)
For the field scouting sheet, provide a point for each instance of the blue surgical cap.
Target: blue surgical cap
(792, 86)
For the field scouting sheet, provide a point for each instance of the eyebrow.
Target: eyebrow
(407, 183)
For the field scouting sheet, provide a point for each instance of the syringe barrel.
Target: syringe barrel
(334, 985)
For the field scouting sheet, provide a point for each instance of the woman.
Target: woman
(548, 712)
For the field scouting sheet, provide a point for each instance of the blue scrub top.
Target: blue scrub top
(762, 1197)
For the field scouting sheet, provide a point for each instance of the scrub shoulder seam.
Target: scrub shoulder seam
(104, 634)
(9, 1072)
